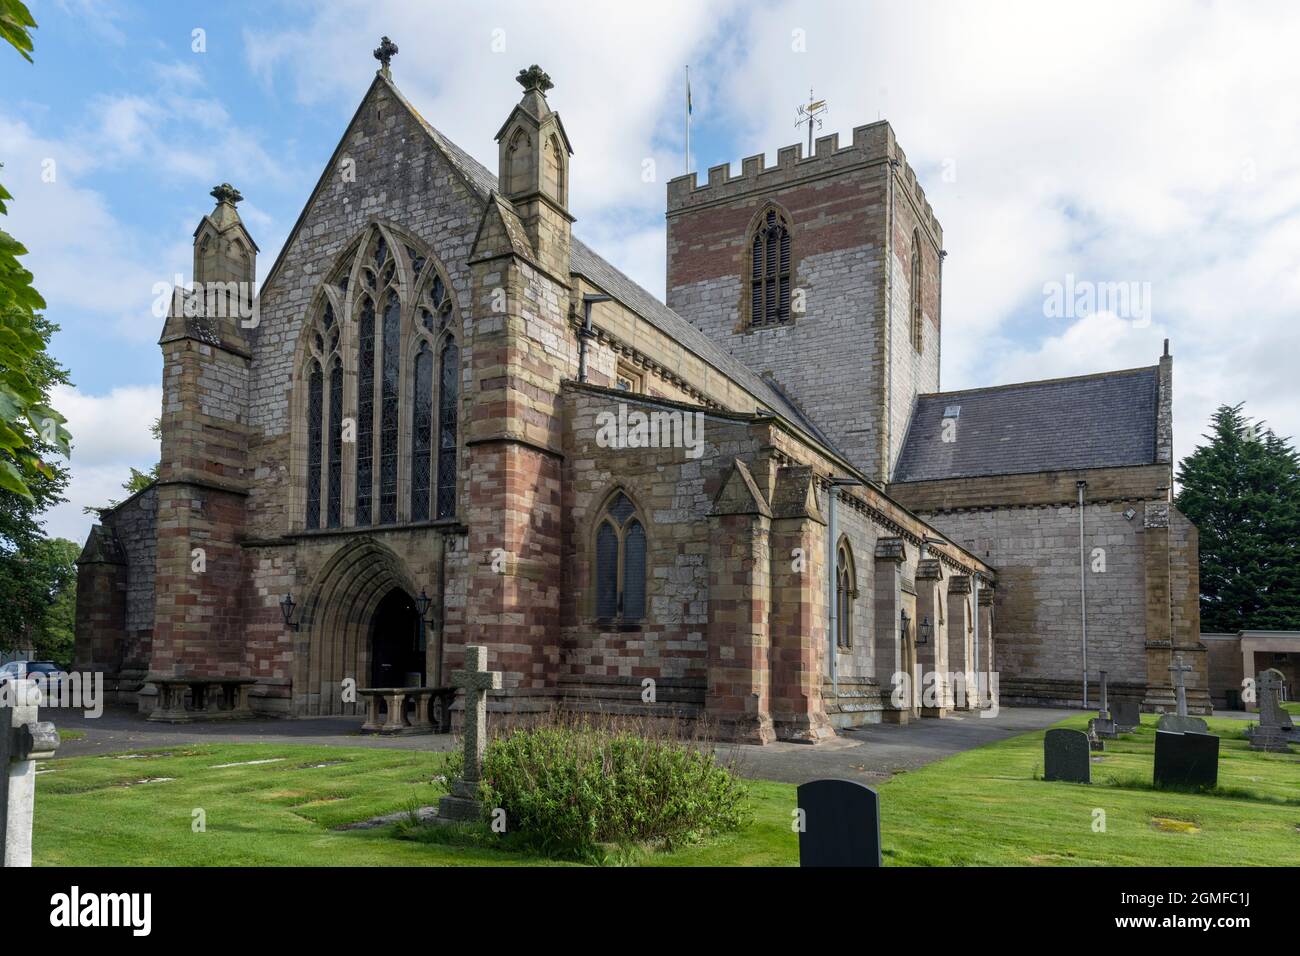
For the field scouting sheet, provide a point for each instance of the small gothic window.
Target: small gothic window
(846, 592)
(916, 290)
(448, 403)
(769, 272)
(620, 565)
(315, 410)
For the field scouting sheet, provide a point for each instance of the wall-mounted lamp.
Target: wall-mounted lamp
(286, 611)
(924, 631)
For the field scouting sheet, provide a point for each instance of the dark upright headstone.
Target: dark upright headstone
(1186, 760)
(1065, 756)
(841, 824)
(1127, 714)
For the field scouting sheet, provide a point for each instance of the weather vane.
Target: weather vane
(811, 113)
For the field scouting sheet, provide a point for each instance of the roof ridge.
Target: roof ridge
(1115, 373)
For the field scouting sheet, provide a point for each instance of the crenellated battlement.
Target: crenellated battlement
(872, 143)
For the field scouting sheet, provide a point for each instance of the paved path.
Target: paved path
(875, 752)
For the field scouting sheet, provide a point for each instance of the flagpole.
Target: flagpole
(688, 121)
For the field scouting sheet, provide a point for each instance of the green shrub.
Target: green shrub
(569, 789)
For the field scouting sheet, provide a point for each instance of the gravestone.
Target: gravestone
(1275, 729)
(1127, 715)
(476, 680)
(1101, 726)
(1180, 722)
(23, 741)
(841, 824)
(1065, 756)
(1186, 760)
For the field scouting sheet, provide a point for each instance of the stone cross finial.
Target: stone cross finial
(534, 78)
(384, 53)
(226, 193)
(1178, 668)
(23, 741)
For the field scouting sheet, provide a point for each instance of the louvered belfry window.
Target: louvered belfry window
(769, 272)
(620, 559)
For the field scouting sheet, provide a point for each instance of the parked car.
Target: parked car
(49, 673)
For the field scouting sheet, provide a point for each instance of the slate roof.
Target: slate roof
(1092, 421)
(586, 262)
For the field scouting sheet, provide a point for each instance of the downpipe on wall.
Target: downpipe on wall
(1083, 594)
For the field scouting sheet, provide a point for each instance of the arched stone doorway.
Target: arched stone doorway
(363, 593)
(396, 642)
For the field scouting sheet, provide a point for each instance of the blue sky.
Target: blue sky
(1153, 144)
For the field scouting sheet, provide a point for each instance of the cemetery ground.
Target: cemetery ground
(277, 803)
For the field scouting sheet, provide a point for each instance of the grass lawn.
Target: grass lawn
(981, 807)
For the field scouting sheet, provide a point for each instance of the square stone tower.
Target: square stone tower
(822, 273)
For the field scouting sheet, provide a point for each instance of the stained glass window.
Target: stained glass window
(606, 572)
(334, 492)
(365, 411)
(846, 590)
(388, 411)
(314, 412)
(620, 564)
(448, 405)
(769, 276)
(422, 433)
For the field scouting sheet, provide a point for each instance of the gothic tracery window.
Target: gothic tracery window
(770, 272)
(846, 592)
(400, 350)
(620, 563)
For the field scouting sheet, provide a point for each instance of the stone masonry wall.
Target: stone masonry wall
(1036, 552)
(837, 202)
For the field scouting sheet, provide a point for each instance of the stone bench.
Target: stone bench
(387, 710)
(184, 699)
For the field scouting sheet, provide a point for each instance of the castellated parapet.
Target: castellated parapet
(873, 143)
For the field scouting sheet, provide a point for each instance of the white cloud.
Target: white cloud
(110, 435)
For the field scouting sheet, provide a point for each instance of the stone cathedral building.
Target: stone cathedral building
(754, 495)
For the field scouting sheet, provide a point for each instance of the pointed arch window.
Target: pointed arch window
(401, 354)
(620, 563)
(846, 593)
(322, 477)
(770, 272)
(916, 280)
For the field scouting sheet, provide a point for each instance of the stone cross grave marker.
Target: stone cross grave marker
(840, 824)
(476, 680)
(1101, 725)
(23, 741)
(1065, 756)
(1186, 759)
(1181, 722)
(1127, 714)
(1275, 728)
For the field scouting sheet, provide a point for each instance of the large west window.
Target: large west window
(380, 390)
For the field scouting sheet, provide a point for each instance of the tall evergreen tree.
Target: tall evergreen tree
(1242, 491)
